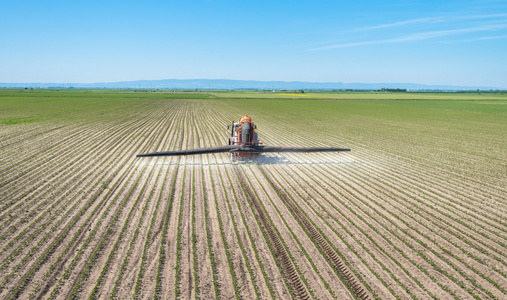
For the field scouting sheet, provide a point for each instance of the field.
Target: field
(417, 209)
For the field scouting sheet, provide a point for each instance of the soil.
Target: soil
(81, 216)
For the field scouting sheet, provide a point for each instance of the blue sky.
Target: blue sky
(429, 42)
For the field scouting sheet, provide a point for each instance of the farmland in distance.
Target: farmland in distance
(416, 210)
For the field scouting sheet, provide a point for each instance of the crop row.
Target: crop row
(97, 222)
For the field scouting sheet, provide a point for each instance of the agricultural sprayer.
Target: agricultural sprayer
(243, 144)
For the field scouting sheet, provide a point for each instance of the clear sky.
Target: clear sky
(457, 42)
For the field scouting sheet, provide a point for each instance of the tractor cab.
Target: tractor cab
(243, 134)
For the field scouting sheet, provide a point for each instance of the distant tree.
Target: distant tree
(393, 90)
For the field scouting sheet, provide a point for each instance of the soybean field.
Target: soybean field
(416, 210)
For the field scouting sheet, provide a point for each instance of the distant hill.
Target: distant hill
(202, 84)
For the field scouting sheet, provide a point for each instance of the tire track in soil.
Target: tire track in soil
(356, 287)
(451, 261)
(437, 191)
(324, 211)
(258, 285)
(288, 269)
(326, 190)
(266, 272)
(348, 195)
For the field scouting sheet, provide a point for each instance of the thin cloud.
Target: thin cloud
(482, 16)
(484, 38)
(430, 20)
(440, 33)
(396, 24)
(416, 37)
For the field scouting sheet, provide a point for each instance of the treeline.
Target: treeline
(393, 90)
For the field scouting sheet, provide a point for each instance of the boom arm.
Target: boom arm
(301, 149)
(190, 151)
(236, 148)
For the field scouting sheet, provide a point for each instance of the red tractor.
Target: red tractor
(243, 133)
